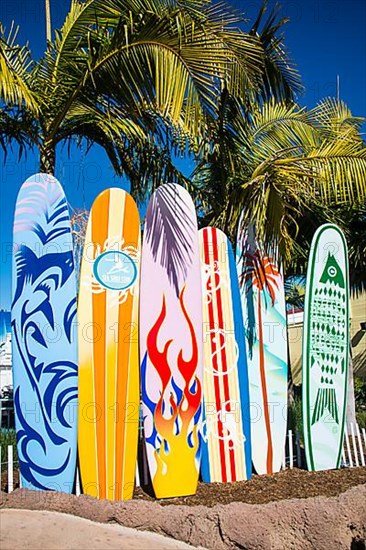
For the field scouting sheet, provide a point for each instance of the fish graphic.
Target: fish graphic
(329, 337)
(332, 272)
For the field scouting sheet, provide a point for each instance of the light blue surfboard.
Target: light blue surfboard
(264, 314)
(44, 336)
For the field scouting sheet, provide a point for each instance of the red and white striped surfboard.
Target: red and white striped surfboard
(226, 453)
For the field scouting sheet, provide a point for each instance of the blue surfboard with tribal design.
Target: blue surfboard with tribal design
(44, 336)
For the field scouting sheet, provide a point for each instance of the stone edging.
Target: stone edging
(319, 522)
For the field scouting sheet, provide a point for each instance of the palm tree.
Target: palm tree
(137, 78)
(284, 167)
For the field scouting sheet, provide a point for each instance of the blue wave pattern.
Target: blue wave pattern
(44, 337)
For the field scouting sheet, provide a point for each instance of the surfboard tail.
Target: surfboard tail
(325, 400)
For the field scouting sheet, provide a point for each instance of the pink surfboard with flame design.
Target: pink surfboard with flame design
(171, 342)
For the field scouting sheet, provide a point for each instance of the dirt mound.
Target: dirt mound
(336, 522)
(284, 485)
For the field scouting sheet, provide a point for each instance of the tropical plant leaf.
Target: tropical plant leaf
(136, 77)
(275, 163)
(281, 79)
(15, 63)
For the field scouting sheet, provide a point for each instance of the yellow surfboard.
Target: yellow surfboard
(108, 347)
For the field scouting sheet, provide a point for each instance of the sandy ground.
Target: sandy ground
(33, 530)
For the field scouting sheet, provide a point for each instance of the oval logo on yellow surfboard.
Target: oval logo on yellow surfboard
(115, 270)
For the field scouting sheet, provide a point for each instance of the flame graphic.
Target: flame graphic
(177, 440)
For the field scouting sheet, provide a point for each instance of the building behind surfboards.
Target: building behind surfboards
(6, 378)
(6, 375)
(358, 338)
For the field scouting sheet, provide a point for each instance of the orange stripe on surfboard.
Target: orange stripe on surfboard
(133, 394)
(130, 233)
(133, 383)
(87, 425)
(99, 235)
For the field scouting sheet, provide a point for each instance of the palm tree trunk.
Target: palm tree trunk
(48, 20)
(47, 158)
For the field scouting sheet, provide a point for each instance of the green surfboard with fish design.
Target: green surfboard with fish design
(325, 349)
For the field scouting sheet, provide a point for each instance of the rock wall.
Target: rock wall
(314, 523)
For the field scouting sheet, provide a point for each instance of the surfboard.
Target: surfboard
(264, 314)
(108, 347)
(226, 449)
(171, 342)
(325, 353)
(44, 336)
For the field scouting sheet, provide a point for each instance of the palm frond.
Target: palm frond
(276, 127)
(275, 163)
(16, 127)
(150, 53)
(170, 231)
(334, 117)
(281, 79)
(339, 168)
(15, 62)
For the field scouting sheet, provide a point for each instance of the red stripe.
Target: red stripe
(223, 355)
(214, 359)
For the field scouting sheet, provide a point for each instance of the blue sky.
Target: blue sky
(324, 37)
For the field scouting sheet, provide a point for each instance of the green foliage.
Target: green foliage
(361, 418)
(360, 394)
(281, 166)
(141, 79)
(7, 437)
(294, 421)
(15, 66)
(151, 79)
